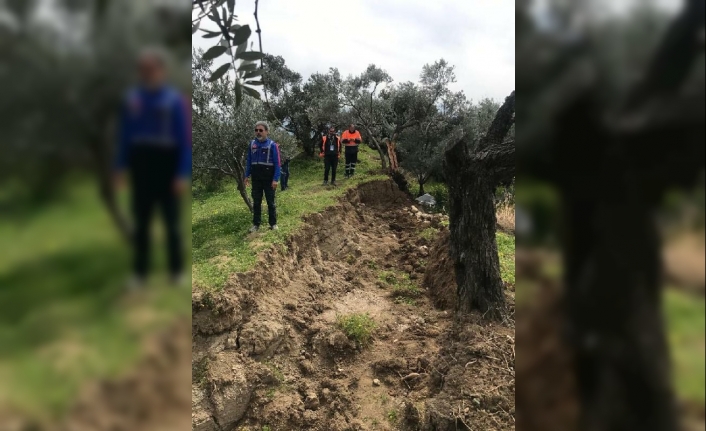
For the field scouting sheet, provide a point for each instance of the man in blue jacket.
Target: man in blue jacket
(264, 166)
(154, 145)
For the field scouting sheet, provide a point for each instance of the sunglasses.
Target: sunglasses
(259, 130)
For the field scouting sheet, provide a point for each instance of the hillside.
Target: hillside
(329, 324)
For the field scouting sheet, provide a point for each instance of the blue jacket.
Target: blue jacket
(155, 118)
(263, 156)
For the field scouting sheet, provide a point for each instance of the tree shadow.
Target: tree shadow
(43, 298)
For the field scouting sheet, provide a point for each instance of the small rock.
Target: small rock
(307, 367)
(325, 394)
(311, 402)
(376, 382)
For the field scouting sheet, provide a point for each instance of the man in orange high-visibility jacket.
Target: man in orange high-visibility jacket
(331, 152)
(351, 139)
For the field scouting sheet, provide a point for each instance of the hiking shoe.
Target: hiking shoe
(325, 183)
(254, 229)
(333, 183)
(274, 227)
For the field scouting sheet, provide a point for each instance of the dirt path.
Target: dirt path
(267, 351)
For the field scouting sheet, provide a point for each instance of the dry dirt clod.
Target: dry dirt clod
(311, 402)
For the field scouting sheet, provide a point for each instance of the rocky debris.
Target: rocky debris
(376, 382)
(311, 401)
(307, 367)
(261, 337)
(231, 392)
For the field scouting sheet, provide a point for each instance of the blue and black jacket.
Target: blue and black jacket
(155, 119)
(263, 161)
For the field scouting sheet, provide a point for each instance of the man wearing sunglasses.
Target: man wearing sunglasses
(263, 164)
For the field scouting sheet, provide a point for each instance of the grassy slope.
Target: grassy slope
(221, 244)
(64, 318)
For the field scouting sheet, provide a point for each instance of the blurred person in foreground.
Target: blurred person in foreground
(154, 146)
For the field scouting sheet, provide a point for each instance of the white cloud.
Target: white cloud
(400, 36)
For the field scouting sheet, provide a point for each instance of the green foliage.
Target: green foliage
(232, 41)
(429, 233)
(392, 417)
(403, 290)
(358, 327)
(506, 253)
(305, 109)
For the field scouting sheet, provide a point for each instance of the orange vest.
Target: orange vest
(351, 137)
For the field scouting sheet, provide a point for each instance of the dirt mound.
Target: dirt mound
(439, 277)
(267, 350)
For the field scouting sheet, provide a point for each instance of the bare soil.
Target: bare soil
(152, 396)
(267, 350)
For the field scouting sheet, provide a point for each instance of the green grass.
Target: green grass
(220, 220)
(64, 318)
(403, 290)
(392, 417)
(686, 319)
(358, 327)
(506, 252)
(429, 233)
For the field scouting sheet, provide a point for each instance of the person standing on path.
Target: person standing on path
(154, 145)
(331, 152)
(351, 139)
(263, 164)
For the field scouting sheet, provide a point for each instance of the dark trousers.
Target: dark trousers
(284, 176)
(351, 160)
(330, 164)
(153, 172)
(260, 187)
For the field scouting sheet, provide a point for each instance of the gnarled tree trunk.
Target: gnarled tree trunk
(473, 177)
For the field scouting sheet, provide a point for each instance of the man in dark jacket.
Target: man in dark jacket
(154, 145)
(331, 152)
(264, 165)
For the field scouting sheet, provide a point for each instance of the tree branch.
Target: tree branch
(499, 160)
(674, 57)
(503, 121)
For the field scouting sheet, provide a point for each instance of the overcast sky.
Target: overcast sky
(400, 36)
